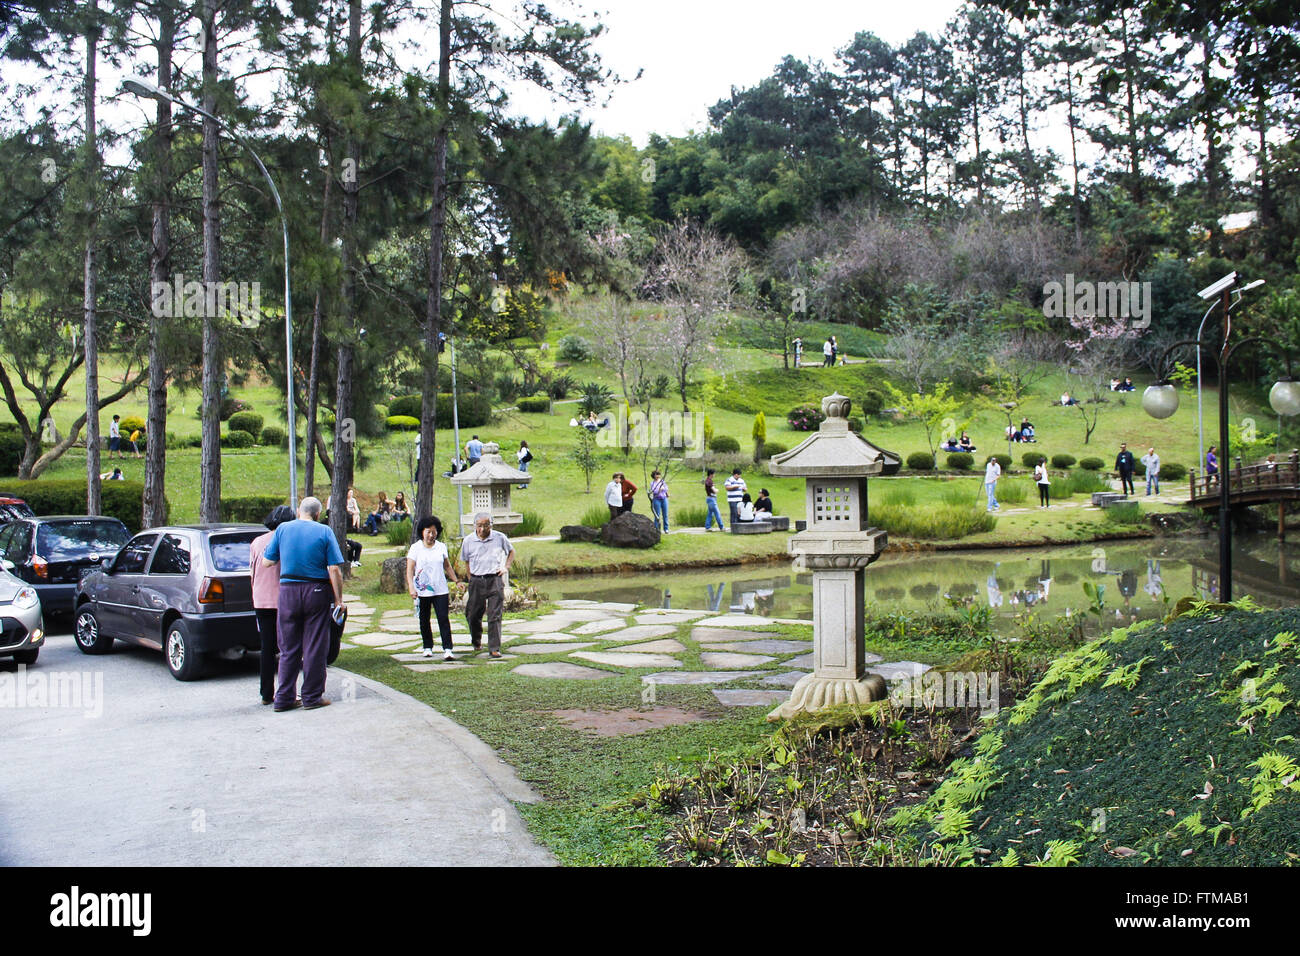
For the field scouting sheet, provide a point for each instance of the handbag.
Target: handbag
(337, 621)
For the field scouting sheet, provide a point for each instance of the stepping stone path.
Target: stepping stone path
(620, 637)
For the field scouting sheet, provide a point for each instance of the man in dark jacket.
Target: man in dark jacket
(1124, 465)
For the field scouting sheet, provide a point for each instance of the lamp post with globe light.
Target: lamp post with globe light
(1161, 401)
(143, 88)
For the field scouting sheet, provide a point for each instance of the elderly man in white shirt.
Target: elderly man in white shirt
(614, 496)
(488, 555)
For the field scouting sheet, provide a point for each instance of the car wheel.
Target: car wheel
(87, 634)
(28, 656)
(183, 661)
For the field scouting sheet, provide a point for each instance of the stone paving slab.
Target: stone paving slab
(378, 639)
(428, 667)
(556, 648)
(417, 657)
(599, 627)
(668, 617)
(560, 669)
(628, 660)
(803, 660)
(750, 698)
(698, 677)
(617, 723)
(554, 636)
(574, 602)
(734, 661)
(750, 620)
(712, 635)
(643, 632)
(899, 670)
(787, 680)
(611, 607)
(665, 646)
(398, 646)
(765, 647)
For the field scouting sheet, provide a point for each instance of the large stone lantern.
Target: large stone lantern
(490, 480)
(836, 547)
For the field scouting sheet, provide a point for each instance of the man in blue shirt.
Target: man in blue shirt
(310, 576)
(473, 451)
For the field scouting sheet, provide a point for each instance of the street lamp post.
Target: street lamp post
(1161, 400)
(139, 87)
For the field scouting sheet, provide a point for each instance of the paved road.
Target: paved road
(203, 774)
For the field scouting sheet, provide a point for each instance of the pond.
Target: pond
(1136, 576)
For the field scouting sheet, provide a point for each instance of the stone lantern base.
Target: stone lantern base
(814, 693)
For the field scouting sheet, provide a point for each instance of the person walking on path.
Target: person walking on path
(524, 456)
(1124, 464)
(711, 502)
(798, 351)
(488, 555)
(659, 500)
(736, 489)
(614, 496)
(428, 567)
(473, 451)
(1212, 464)
(629, 493)
(1151, 461)
(835, 352)
(992, 472)
(115, 438)
(310, 563)
(1044, 481)
(828, 352)
(135, 442)
(266, 596)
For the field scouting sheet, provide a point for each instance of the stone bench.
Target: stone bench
(1104, 499)
(751, 527)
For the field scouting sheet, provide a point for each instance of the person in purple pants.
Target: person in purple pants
(310, 580)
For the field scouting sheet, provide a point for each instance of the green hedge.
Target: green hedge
(1003, 460)
(961, 461)
(920, 461)
(250, 422)
(274, 436)
(773, 448)
(67, 496)
(1063, 461)
(402, 423)
(1091, 464)
(1172, 471)
(129, 424)
(724, 444)
(11, 450)
(250, 508)
(1030, 458)
(535, 403)
(237, 439)
(475, 408)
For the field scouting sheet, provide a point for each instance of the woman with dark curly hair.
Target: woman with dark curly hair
(428, 569)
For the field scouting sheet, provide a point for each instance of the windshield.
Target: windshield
(68, 540)
(230, 551)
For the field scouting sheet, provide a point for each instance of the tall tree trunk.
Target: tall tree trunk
(1074, 157)
(91, 275)
(210, 463)
(1212, 152)
(1130, 113)
(313, 375)
(344, 425)
(154, 511)
(425, 469)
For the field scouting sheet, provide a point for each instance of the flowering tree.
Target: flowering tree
(695, 274)
(1099, 349)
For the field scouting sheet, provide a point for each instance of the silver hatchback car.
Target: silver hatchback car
(185, 590)
(22, 628)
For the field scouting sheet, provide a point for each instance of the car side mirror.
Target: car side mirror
(107, 565)
(7, 564)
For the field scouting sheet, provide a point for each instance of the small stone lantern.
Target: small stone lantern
(836, 547)
(490, 480)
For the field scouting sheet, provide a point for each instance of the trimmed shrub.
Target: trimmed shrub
(130, 423)
(402, 423)
(805, 418)
(961, 461)
(724, 445)
(11, 451)
(1171, 471)
(535, 403)
(872, 402)
(574, 348)
(1063, 461)
(381, 411)
(1030, 458)
(1004, 461)
(771, 449)
(237, 439)
(274, 436)
(229, 407)
(1091, 464)
(920, 461)
(250, 508)
(411, 405)
(856, 424)
(250, 422)
(120, 499)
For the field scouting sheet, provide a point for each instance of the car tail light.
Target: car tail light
(40, 566)
(212, 591)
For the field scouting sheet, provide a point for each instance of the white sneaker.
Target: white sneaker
(447, 656)
(428, 652)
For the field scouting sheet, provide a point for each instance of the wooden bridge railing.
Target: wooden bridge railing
(1247, 479)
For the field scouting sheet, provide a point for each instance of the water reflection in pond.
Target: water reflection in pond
(1137, 577)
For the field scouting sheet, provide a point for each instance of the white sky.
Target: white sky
(693, 51)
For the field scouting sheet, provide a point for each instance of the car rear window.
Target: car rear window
(65, 540)
(230, 551)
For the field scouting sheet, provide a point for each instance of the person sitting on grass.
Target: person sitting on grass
(965, 442)
(400, 510)
(379, 517)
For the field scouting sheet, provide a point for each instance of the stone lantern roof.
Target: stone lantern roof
(491, 469)
(833, 451)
